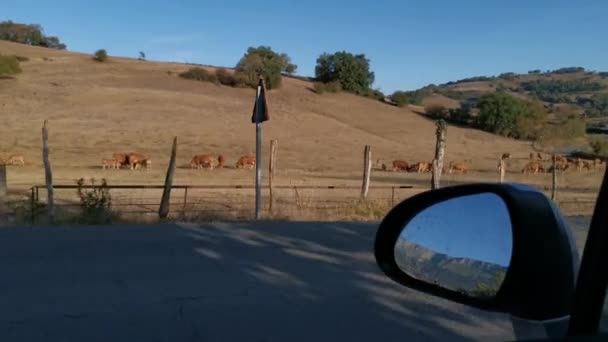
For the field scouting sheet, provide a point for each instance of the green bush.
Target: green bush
(100, 55)
(95, 203)
(331, 87)
(199, 74)
(403, 98)
(599, 146)
(9, 65)
(352, 71)
(437, 112)
(572, 128)
(22, 58)
(224, 77)
(263, 62)
(507, 115)
(375, 94)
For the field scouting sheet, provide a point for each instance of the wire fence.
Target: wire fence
(238, 201)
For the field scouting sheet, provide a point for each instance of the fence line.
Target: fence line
(216, 200)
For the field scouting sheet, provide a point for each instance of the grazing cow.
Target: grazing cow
(540, 156)
(533, 167)
(137, 160)
(110, 164)
(458, 167)
(15, 159)
(506, 156)
(121, 158)
(400, 165)
(597, 163)
(423, 167)
(246, 162)
(531, 156)
(206, 161)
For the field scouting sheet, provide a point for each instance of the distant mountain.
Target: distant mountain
(453, 273)
(566, 91)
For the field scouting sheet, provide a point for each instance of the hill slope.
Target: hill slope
(564, 91)
(95, 109)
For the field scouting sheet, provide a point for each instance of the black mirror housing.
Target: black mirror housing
(540, 281)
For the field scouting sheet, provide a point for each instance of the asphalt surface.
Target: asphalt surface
(219, 282)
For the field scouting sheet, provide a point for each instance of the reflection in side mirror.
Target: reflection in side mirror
(463, 244)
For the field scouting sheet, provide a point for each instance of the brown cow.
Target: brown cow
(533, 167)
(458, 167)
(121, 158)
(110, 164)
(506, 156)
(423, 167)
(15, 159)
(206, 161)
(540, 156)
(137, 160)
(400, 165)
(246, 162)
(531, 156)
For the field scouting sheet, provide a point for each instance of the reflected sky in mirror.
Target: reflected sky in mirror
(475, 227)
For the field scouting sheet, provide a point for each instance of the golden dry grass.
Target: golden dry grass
(123, 105)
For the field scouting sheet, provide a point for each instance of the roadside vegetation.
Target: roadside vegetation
(9, 65)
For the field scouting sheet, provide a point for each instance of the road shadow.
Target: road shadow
(263, 281)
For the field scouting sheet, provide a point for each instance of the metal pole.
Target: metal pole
(554, 179)
(48, 174)
(258, 169)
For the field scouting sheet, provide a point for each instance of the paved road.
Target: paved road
(217, 282)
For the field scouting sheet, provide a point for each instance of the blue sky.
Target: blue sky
(477, 227)
(410, 43)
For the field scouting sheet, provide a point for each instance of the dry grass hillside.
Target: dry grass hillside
(95, 109)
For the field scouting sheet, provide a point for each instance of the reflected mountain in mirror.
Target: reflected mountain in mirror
(462, 244)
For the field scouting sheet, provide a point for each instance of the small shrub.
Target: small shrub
(330, 87)
(572, 128)
(95, 204)
(22, 58)
(199, 74)
(599, 146)
(9, 65)
(100, 55)
(437, 112)
(224, 77)
(375, 94)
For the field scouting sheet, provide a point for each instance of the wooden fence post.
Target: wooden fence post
(501, 170)
(367, 170)
(271, 167)
(163, 211)
(554, 179)
(439, 154)
(48, 173)
(3, 185)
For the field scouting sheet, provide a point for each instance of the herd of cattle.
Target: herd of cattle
(423, 167)
(200, 161)
(537, 164)
(534, 166)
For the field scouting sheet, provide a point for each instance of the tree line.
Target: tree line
(28, 34)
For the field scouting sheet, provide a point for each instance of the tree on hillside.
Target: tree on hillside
(530, 120)
(498, 113)
(142, 56)
(507, 115)
(28, 34)
(263, 62)
(352, 71)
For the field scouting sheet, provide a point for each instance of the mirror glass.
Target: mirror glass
(462, 244)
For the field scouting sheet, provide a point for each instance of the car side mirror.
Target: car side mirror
(497, 247)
